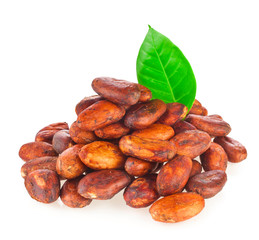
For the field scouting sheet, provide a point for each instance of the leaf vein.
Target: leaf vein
(166, 77)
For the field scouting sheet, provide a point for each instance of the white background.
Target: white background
(49, 53)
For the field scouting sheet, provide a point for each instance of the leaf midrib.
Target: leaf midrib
(168, 84)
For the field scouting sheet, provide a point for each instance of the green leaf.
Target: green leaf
(162, 67)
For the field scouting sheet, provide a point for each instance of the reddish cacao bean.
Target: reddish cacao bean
(102, 155)
(145, 94)
(141, 192)
(207, 184)
(215, 158)
(142, 115)
(177, 207)
(191, 143)
(137, 167)
(213, 126)
(81, 136)
(69, 164)
(174, 112)
(198, 109)
(155, 131)
(236, 152)
(34, 150)
(117, 91)
(69, 195)
(43, 185)
(181, 126)
(147, 149)
(38, 163)
(86, 102)
(196, 168)
(174, 175)
(115, 130)
(103, 184)
(62, 141)
(99, 115)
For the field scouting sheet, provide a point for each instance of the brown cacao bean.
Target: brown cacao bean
(147, 149)
(213, 126)
(46, 162)
(43, 185)
(174, 175)
(236, 152)
(117, 91)
(137, 167)
(177, 207)
(115, 130)
(100, 155)
(86, 102)
(142, 115)
(99, 115)
(141, 192)
(215, 158)
(69, 164)
(62, 141)
(196, 168)
(174, 112)
(103, 184)
(69, 195)
(81, 136)
(191, 143)
(155, 131)
(34, 150)
(207, 184)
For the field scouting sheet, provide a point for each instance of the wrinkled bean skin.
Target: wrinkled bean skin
(236, 152)
(81, 136)
(155, 131)
(196, 168)
(215, 158)
(69, 164)
(142, 115)
(181, 126)
(138, 168)
(213, 126)
(102, 155)
(145, 94)
(103, 184)
(99, 115)
(207, 184)
(177, 207)
(215, 116)
(34, 150)
(115, 130)
(174, 112)
(56, 126)
(43, 185)
(86, 102)
(46, 134)
(198, 109)
(117, 91)
(191, 143)
(174, 175)
(62, 141)
(147, 149)
(141, 192)
(69, 195)
(39, 163)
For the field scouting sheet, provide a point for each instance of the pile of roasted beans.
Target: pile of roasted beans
(124, 140)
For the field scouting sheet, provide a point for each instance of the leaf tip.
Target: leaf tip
(149, 26)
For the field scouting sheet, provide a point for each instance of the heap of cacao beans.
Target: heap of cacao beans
(161, 155)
